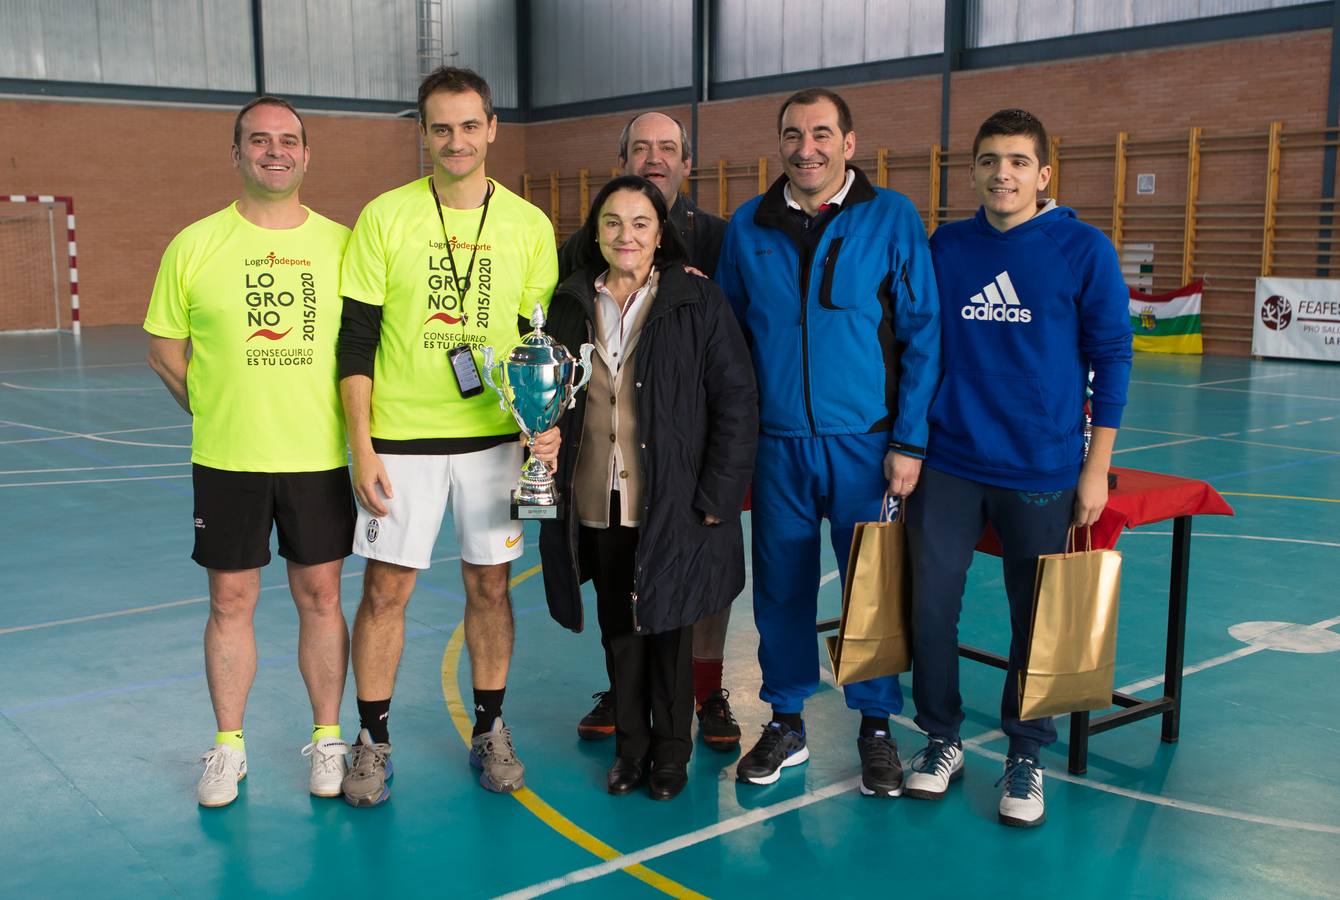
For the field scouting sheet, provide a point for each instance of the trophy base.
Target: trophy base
(523, 511)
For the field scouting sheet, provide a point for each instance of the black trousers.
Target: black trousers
(652, 675)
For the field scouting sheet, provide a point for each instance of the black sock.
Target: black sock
(372, 715)
(790, 720)
(488, 706)
(872, 724)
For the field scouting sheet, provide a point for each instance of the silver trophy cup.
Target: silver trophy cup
(537, 380)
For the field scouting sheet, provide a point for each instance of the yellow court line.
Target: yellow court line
(1279, 497)
(451, 659)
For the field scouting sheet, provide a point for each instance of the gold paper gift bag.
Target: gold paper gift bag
(1072, 648)
(873, 637)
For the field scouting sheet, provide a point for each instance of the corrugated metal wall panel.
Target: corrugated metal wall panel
(286, 42)
(160, 43)
(992, 23)
(22, 52)
(361, 49)
(588, 49)
(756, 38)
(230, 63)
(482, 34)
(127, 35)
(70, 43)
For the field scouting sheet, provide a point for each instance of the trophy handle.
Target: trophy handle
(586, 367)
(489, 366)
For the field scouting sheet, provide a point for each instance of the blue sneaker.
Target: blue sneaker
(778, 748)
(1021, 805)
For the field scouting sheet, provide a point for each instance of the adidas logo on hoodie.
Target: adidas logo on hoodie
(997, 302)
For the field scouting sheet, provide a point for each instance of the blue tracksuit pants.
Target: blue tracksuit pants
(797, 483)
(945, 519)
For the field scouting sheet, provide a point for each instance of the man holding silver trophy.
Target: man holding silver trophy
(435, 271)
(832, 281)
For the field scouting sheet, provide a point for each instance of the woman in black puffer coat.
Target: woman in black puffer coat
(660, 533)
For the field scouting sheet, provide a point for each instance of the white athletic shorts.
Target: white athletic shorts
(476, 487)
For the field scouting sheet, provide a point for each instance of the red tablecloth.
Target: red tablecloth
(1141, 498)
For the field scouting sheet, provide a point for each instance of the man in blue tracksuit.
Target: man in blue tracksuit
(1032, 299)
(832, 281)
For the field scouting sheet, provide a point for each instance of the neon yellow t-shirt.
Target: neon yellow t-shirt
(261, 307)
(397, 259)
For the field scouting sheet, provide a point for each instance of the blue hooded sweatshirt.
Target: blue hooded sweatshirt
(1025, 314)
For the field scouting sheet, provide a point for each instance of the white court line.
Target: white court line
(1190, 440)
(59, 390)
(684, 841)
(1227, 437)
(1275, 394)
(1243, 537)
(60, 434)
(1136, 686)
(92, 468)
(972, 745)
(169, 605)
(24, 484)
(763, 814)
(1248, 378)
(73, 368)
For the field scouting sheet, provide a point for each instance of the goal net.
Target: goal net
(33, 268)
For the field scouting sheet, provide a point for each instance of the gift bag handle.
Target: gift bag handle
(892, 501)
(1072, 547)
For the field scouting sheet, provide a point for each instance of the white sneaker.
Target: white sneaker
(932, 769)
(328, 766)
(225, 766)
(1021, 804)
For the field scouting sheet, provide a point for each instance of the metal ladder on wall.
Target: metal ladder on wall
(431, 51)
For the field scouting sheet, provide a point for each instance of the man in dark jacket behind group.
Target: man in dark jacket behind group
(656, 146)
(831, 279)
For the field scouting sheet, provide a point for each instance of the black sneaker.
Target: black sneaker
(881, 772)
(778, 748)
(716, 725)
(598, 724)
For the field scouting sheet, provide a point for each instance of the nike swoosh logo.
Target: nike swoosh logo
(512, 542)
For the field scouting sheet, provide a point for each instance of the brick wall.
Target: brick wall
(138, 174)
(1229, 89)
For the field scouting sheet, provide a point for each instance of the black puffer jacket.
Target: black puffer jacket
(697, 409)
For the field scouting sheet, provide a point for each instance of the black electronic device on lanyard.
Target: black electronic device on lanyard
(462, 360)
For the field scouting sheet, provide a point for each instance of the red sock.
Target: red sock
(706, 677)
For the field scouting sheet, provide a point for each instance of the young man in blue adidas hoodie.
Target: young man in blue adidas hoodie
(1031, 300)
(831, 280)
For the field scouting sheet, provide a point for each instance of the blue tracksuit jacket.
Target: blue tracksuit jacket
(846, 339)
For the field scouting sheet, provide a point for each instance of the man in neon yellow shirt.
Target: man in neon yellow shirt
(243, 322)
(435, 271)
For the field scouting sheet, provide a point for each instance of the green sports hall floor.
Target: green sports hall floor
(104, 711)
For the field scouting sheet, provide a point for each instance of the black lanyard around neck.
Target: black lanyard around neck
(462, 285)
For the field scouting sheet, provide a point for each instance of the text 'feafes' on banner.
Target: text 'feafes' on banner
(1297, 318)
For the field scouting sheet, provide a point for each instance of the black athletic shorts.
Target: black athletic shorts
(314, 512)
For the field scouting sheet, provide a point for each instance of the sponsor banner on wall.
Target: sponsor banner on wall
(1297, 318)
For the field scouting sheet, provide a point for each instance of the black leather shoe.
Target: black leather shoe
(625, 775)
(667, 780)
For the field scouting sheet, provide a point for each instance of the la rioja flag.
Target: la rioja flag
(1167, 323)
